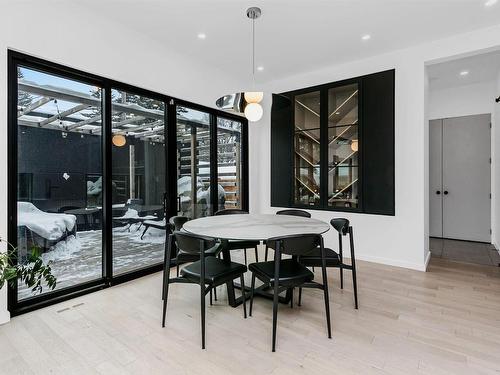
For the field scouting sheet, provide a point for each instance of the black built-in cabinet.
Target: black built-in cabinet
(372, 143)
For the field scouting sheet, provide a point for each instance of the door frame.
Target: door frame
(107, 279)
(492, 179)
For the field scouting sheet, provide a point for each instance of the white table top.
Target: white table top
(255, 227)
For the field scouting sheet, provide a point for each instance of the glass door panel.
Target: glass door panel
(193, 163)
(229, 163)
(343, 145)
(138, 181)
(59, 166)
(307, 148)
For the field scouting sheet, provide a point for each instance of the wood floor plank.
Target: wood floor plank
(444, 321)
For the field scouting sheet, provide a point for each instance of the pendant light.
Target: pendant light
(247, 102)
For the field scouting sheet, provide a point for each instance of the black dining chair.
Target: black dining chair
(175, 223)
(239, 244)
(334, 259)
(290, 212)
(208, 271)
(286, 274)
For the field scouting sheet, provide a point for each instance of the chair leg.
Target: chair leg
(210, 297)
(291, 298)
(275, 314)
(256, 254)
(245, 252)
(145, 230)
(341, 277)
(251, 294)
(165, 297)
(355, 287)
(202, 317)
(177, 267)
(242, 280)
(300, 297)
(215, 293)
(327, 304)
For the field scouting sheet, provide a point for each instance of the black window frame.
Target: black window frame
(15, 59)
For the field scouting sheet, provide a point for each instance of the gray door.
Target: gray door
(436, 178)
(467, 178)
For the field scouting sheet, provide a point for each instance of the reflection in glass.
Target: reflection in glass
(343, 145)
(229, 163)
(307, 148)
(193, 162)
(138, 181)
(59, 176)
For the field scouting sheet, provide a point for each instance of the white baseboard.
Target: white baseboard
(4, 317)
(393, 262)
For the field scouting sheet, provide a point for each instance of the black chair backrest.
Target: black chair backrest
(341, 225)
(292, 212)
(191, 243)
(177, 222)
(297, 244)
(231, 211)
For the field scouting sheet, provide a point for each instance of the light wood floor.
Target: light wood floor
(445, 321)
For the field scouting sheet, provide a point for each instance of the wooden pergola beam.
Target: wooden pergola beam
(63, 114)
(36, 104)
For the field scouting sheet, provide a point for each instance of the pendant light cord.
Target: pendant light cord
(253, 53)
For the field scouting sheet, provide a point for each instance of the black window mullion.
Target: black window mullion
(107, 214)
(323, 201)
(171, 159)
(214, 193)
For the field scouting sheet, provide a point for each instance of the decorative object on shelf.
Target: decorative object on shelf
(247, 102)
(119, 140)
(497, 100)
(33, 272)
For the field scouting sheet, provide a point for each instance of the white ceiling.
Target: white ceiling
(481, 68)
(294, 36)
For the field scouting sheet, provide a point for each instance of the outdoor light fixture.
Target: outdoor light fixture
(247, 102)
(119, 140)
(354, 145)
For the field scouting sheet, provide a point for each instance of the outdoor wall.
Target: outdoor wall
(400, 240)
(79, 37)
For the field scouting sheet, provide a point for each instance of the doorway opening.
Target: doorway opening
(463, 174)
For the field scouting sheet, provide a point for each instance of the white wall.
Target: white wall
(401, 240)
(495, 135)
(67, 34)
(462, 100)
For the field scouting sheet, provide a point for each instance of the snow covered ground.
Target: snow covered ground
(78, 259)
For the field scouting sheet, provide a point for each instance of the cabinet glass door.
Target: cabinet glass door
(307, 149)
(343, 146)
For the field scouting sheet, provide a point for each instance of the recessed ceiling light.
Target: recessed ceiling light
(260, 68)
(464, 73)
(202, 36)
(490, 3)
(366, 37)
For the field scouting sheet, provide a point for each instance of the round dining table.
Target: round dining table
(253, 227)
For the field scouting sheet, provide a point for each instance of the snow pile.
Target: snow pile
(63, 250)
(50, 226)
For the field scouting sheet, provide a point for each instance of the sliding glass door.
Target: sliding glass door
(138, 181)
(95, 172)
(193, 163)
(59, 176)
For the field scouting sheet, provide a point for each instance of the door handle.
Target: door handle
(445, 192)
(438, 192)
